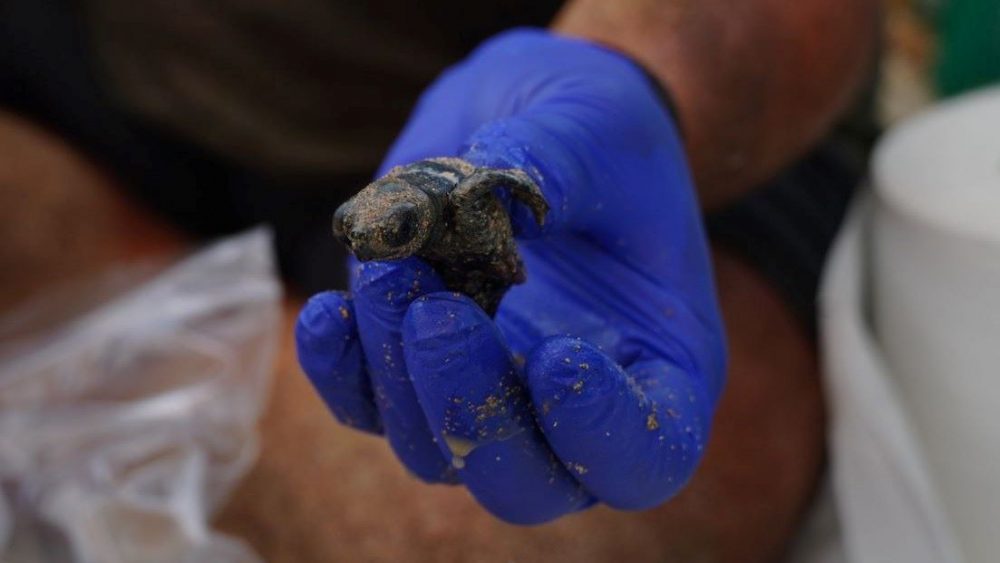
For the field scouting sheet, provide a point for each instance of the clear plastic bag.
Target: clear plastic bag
(123, 427)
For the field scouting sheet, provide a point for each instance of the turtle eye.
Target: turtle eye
(340, 226)
(402, 225)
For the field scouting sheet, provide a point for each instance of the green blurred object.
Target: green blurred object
(969, 45)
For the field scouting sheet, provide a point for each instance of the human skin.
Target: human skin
(756, 82)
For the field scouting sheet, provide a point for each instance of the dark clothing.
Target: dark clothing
(221, 115)
(786, 228)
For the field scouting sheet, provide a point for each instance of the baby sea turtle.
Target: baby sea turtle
(443, 210)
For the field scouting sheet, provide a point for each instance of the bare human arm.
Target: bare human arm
(756, 82)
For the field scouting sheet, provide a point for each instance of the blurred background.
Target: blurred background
(146, 414)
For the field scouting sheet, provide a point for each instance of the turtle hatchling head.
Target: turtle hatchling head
(388, 219)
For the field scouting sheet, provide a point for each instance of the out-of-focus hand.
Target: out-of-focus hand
(598, 379)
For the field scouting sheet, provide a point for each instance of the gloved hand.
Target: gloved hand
(599, 377)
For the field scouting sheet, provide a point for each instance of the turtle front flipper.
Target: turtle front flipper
(521, 186)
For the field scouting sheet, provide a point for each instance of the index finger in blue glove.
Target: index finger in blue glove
(382, 293)
(467, 384)
(636, 436)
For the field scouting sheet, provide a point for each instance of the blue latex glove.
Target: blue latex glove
(600, 375)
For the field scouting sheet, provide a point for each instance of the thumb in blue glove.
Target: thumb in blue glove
(598, 379)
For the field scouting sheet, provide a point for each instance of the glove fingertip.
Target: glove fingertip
(323, 318)
(394, 284)
(570, 381)
(442, 314)
(633, 438)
